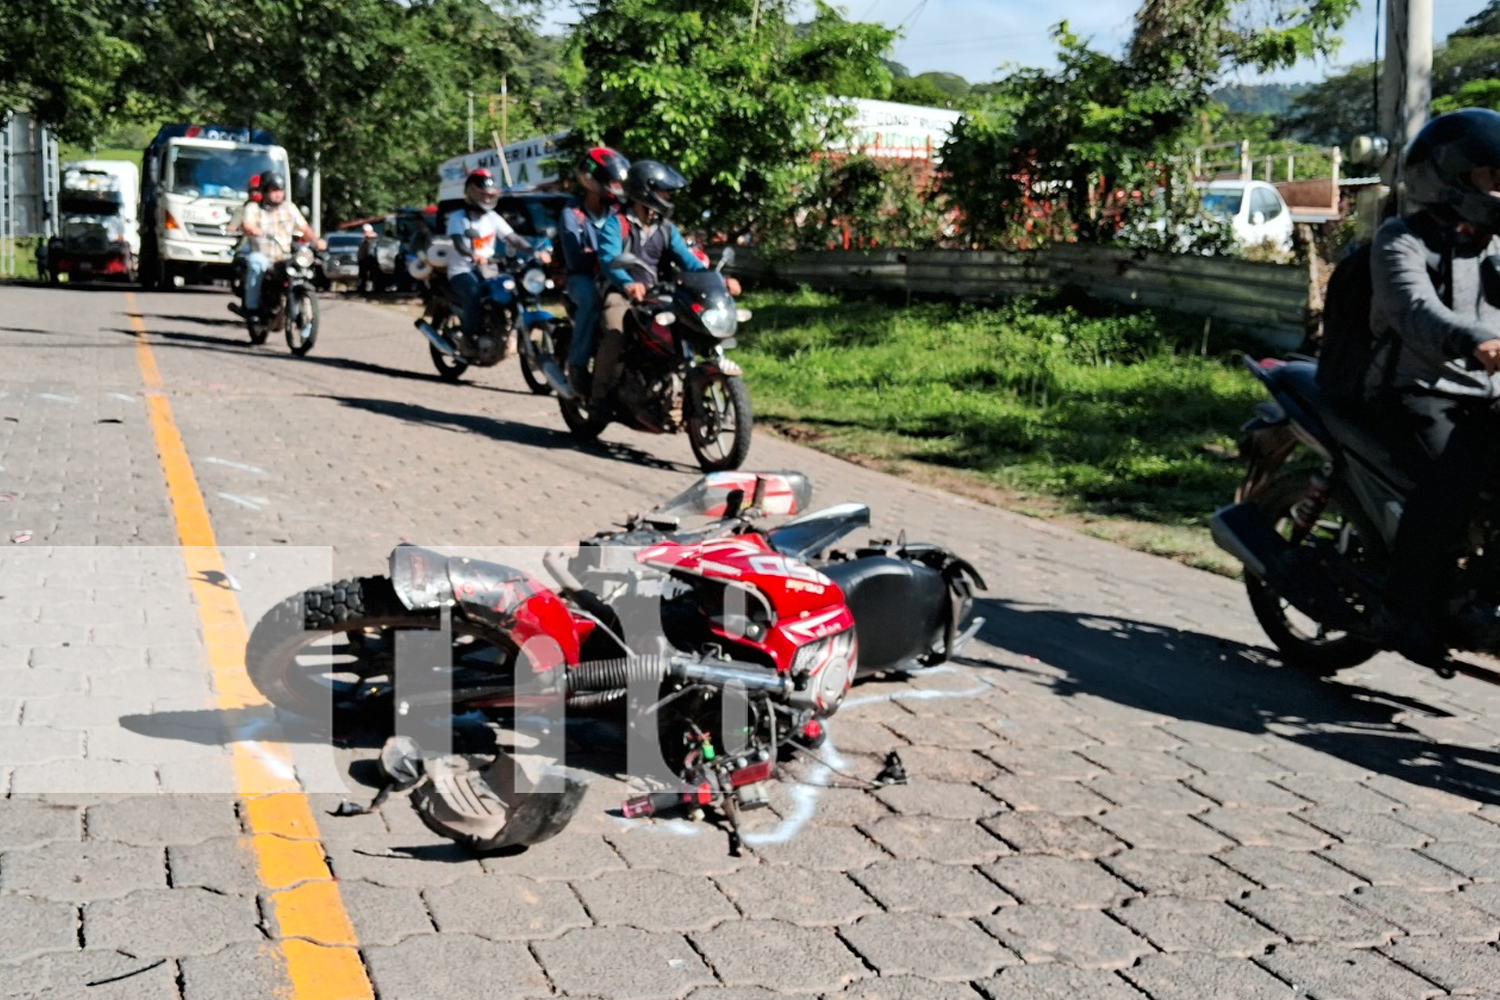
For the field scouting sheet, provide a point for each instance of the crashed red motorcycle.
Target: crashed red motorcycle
(731, 639)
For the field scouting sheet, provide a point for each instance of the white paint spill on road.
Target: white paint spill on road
(235, 465)
(253, 503)
(122, 397)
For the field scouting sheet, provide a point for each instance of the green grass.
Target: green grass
(1097, 413)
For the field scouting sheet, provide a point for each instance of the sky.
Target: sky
(974, 38)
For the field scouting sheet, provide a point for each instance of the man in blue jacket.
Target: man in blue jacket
(602, 177)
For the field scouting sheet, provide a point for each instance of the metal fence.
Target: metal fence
(28, 185)
(1271, 302)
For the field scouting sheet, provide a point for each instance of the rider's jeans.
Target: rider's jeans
(256, 266)
(463, 292)
(584, 295)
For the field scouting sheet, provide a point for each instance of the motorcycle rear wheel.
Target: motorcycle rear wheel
(322, 653)
(537, 349)
(449, 367)
(302, 322)
(1303, 641)
(719, 422)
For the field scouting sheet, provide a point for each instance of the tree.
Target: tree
(62, 60)
(730, 92)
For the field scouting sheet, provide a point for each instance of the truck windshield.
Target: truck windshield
(195, 171)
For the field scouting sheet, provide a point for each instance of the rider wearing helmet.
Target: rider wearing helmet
(475, 229)
(643, 229)
(269, 226)
(1435, 379)
(601, 175)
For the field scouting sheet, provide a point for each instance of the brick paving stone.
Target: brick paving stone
(1142, 764)
(735, 993)
(26, 746)
(800, 896)
(1452, 827)
(1039, 732)
(1188, 976)
(622, 963)
(925, 763)
(423, 966)
(778, 955)
(864, 736)
(1052, 981)
(1267, 828)
(28, 683)
(1482, 864)
(907, 944)
(85, 777)
(826, 848)
(930, 887)
(1303, 872)
(1034, 878)
(1268, 762)
(580, 855)
(168, 923)
(26, 821)
(846, 807)
(1148, 829)
(114, 977)
(1064, 798)
(1045, 763)
(1486, 897)
(79, 873)
(1318, 919)
(1418, 796)
(1064, 836)
(384, 915)
(1234, 792)
(1402, 866)
(225, 865)
(508, 908)
(1196, 925)
(697, 850)
(1203, 734)
(1421, 913)
(937, 798)
(1457, 966)
(943, 840)
(1323, 970)
(164, 819)
(1169, 873)
(906, 988)
(951, 734)
(232, 973)
(1154, 794)
(1089, 939)
(436, 862)
(1353, 826)
(650, 900)
(34, 927)
(1326, 791)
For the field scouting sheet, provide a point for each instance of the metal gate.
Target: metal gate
(28, 185)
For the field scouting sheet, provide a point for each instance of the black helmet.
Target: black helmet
(652, 183)
(604, 170)
(272, 180)
(481, 191)
(1443, 155)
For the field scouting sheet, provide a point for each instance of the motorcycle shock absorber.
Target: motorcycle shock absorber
(1305, 512)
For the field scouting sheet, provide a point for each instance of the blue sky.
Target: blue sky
(973, 38)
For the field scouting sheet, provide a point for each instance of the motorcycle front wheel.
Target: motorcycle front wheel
(719, 421)
(302, 321)
(536, 350)
(259, 330)
(1303, 641)
(332, 650)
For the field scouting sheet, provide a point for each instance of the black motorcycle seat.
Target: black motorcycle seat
(1355, 431)
(900, 608)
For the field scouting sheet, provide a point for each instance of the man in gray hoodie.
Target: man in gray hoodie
(1436, 375)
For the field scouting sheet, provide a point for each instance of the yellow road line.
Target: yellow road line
(314, 937)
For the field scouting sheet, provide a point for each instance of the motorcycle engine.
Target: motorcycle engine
(649, 396)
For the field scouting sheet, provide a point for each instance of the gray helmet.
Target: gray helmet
(652, 183)
(1444, 154)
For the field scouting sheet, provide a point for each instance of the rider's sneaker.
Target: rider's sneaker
(237, 309)
(1417, 640)
(579, 381)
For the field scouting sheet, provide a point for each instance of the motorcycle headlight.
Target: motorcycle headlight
(824, 670)
(534, 281)
(303, 258)
(720, 321)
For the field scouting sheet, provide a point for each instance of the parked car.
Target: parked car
(388, 250)
(1255, 210)
(339, 264)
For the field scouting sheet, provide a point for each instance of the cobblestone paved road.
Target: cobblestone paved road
(1119, 793)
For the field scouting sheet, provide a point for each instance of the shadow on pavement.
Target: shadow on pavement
(1219, 682)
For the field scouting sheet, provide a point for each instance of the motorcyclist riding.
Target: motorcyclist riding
(602, 176)
(643, 228)
(269, 226)
(474, 228)
(1435, 380)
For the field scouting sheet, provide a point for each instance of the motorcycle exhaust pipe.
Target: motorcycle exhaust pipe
(1242, 530)
(612, 675)
(436, 338)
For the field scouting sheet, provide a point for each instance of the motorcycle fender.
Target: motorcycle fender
(531, 317)
(1265, 447)
(718, 365)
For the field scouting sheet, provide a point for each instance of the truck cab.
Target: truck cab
(98, 235)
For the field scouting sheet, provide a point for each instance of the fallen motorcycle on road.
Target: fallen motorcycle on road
(723, 643)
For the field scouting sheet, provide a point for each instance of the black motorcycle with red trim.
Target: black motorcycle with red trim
(725, 642)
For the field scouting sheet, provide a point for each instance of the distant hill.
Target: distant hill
(1262, 98)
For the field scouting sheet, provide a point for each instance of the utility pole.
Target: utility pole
(1406, 81)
